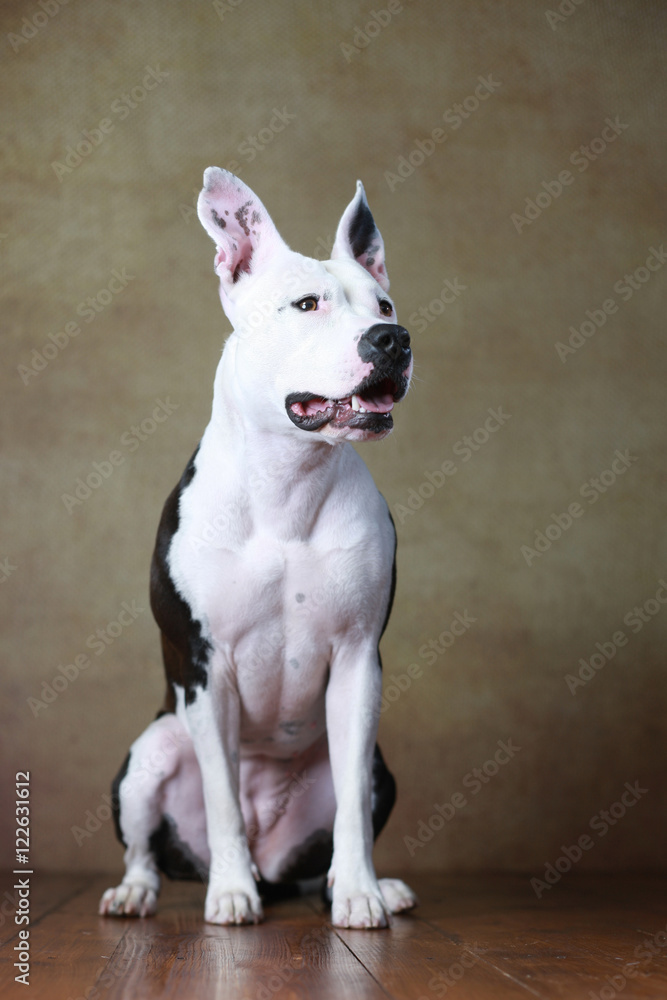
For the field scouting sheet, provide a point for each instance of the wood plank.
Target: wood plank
(293, 953)
(67, 947)
(47, 891)
(418, 959)
(565, 945)
(76, 953)
(472, 938)
(415, 959)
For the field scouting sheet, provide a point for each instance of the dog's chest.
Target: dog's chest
(282, 579)
(277, 610)
(271, 601)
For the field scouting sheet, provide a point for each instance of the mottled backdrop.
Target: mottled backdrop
(513, 157)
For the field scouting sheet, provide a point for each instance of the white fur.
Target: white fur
(284, 555)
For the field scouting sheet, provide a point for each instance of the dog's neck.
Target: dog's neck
(287, 474)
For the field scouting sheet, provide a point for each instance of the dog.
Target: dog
(272, 582)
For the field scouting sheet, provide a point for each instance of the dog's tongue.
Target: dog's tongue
(381, 402)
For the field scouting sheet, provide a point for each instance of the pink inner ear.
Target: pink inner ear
(220, 257)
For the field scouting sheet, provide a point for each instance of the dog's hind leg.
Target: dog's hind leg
(138, 800)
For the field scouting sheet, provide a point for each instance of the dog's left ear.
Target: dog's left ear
(358, 236)
(233, 216)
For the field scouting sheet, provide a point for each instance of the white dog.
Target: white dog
(272, 582)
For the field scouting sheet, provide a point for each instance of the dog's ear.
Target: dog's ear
(358, 236)
(236, 220)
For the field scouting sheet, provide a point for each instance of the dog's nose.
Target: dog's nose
(388, 340)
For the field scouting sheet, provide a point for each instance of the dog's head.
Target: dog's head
(316, 347)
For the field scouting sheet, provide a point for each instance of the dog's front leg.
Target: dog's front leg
(352, 708)
(213, 719)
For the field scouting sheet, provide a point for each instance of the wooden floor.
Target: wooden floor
(472, 938)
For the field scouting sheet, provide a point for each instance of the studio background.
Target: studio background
(494, 263)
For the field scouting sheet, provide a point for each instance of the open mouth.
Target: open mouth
(368, 407)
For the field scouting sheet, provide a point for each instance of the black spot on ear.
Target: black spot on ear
(241, 217)
(362, 229)
(218, 221)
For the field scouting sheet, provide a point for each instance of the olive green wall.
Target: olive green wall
(513, 158)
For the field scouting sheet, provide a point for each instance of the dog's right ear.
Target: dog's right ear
(357, 236)
(236, 220)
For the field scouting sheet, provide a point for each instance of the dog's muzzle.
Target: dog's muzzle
(368, 406)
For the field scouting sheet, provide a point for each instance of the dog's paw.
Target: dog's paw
(397, 896)
(232, 906)
(133, 900)
(362, 910)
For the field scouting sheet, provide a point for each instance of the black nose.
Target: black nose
(385, 340)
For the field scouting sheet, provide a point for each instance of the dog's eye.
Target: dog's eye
(308, 304)
(386, 307)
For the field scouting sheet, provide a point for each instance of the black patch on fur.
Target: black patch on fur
(218, 221)
(185, 650)
(392, 589)
(383, 792)
(309, 859)
(174, 857)
(115, 798)
(362, 229)
(275, 892)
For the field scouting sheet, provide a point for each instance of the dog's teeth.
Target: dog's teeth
(356, 405)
